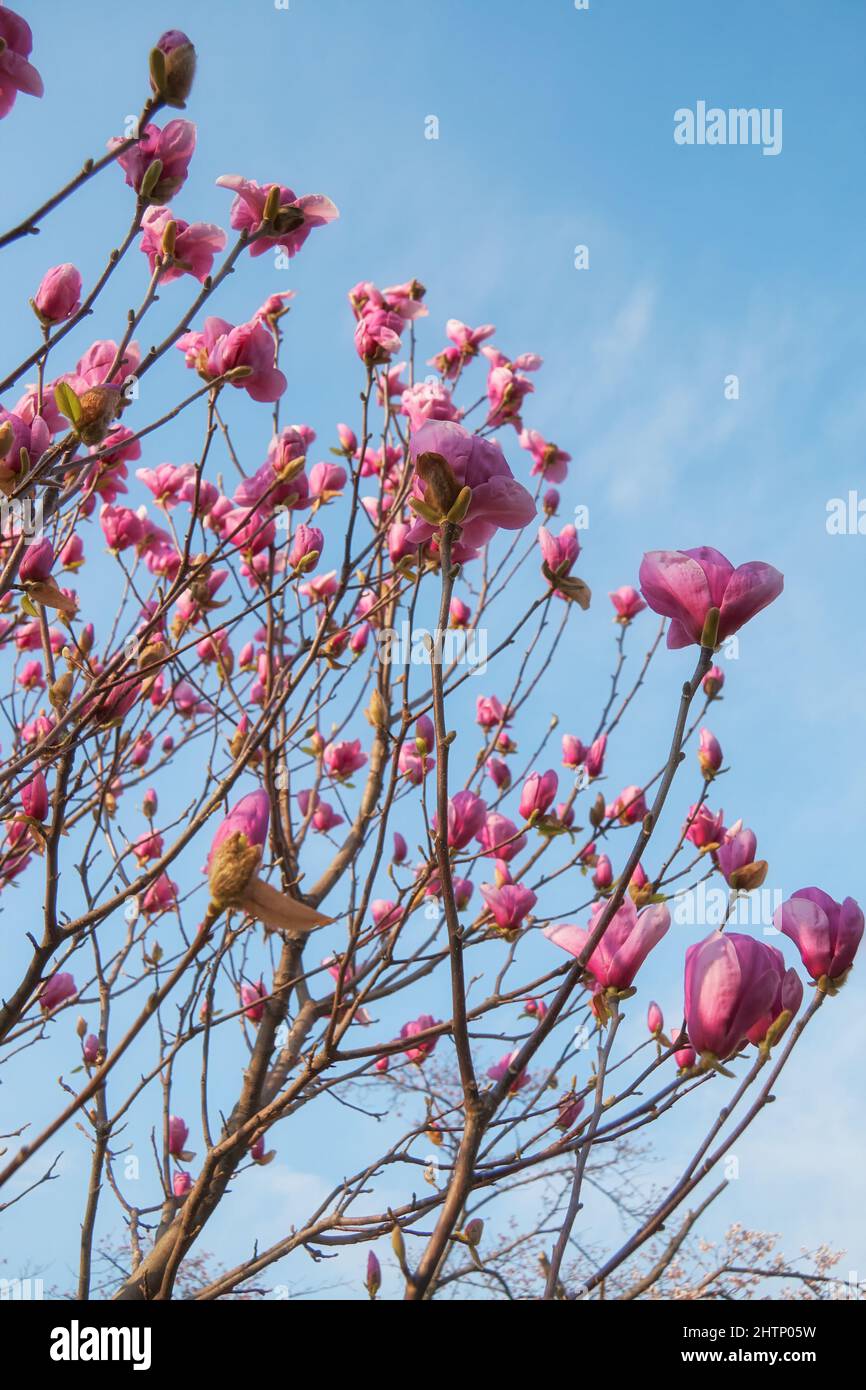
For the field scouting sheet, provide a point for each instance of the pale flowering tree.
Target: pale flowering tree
(266, 678)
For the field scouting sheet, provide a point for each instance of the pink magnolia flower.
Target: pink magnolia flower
(59, 294)
(788, 997)
(570, 1108)
(655, 1020)
(506, 392)
(90, 1049)
(32, 435)
(509, 904)
(16, 74)
(36, 562)
(400, 848)
(499, 837)
(407, 299)
(322, 815)
(30, 676)
(498, 500)
(731, 981)
(685, 1056)
(348, 439)
(826, 933)
(428, 400)
(547, 458)
(625, 945)
(295, 219)
(249, 817)
(603, 875)
(500, 1070)
(705, 829)
(499, 772)
(173, 147)
(594, 760)
(342, 759)
(72, 554)
(160, 896)
(166, 482)
(327, 481)
(307, 547)
(490, 712)
(274, 307)
(195, 245)
(148, 847)
(539, 793)
(559, 552)
(466, 816)
(181, 1183)
(629, 807)
(465, 344)
(323, 587)
(737, 851)
(121, 527)
(34, 797)
(386, 914)
(422, 1050)
(684, 585)
(573, 751)
(459, 613)
(709, 753)
(56, 991)
(627, 602)
(219, 347)
(253, 998)
(550, 502)
(377, 335)
(535, 1008)
(178, 1133)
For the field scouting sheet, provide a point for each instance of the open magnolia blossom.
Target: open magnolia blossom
(340, 656)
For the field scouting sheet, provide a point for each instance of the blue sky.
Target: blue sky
(556, 130)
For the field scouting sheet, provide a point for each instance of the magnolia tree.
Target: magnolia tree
(256, 857)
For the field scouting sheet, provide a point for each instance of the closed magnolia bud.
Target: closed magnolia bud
(99, 407)
(473, 1231)
(713, 681)
(149, 803)
(373, 1282)
(398, 1244)
(172, 67)
(60, 691)
(596, 812)
(80, 1026)
(655, 1019)
(376, 713)
(709, 753)
(59, 294)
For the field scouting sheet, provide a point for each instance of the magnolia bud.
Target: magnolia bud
(473, 1231)
(172, 68)
(441, 488)
(98, 409)
(398, 1244)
